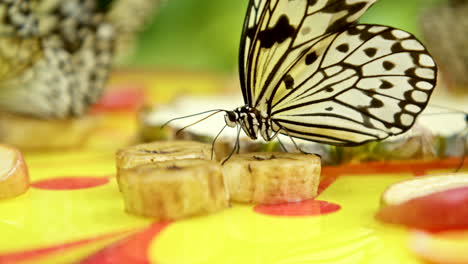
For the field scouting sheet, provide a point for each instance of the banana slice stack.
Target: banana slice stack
(170, 180)
(176, 179)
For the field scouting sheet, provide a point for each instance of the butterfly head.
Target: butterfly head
(245, 117)
(231, 118)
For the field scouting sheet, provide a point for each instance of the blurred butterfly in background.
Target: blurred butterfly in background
(308, 71)
(55, 56)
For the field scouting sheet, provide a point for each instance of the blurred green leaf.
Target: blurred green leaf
(205, 34)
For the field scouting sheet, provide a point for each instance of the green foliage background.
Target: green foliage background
(205, 34)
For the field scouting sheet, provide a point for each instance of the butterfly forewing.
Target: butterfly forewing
(278, 33)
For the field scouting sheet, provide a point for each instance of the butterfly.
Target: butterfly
(309, 71)
(55, 56)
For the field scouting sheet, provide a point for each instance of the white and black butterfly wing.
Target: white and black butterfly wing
(44, 89)
(68, 72)
(276, 33)
(344, 84)
(369, 83)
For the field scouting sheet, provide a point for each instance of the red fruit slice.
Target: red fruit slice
(445, 210)
(421, 186)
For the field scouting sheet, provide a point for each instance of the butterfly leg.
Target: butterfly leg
(236, 146)
(282, 145)
(294, 142)
(214, 141)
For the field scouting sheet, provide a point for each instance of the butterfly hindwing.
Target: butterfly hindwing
(363, 84)
(277, 32)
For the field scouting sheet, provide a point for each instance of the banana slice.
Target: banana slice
(162, 151)
(269, 178)
(174, 189)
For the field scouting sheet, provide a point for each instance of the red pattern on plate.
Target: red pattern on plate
(133, 249)
(309, 207)
(304, 208)
(70, 183)
(35, 254)
(418, 168)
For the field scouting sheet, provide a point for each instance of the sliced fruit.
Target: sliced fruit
(434, 203)
(14, 177)
(39, 134)
(401, 192)
(174, 189)
(446, 247)
(162, 151)
(270, 178)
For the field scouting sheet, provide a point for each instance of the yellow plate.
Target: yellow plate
(74, 212)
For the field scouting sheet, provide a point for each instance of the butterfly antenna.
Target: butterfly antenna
(214, 141)
(201, 113)
(194, 123)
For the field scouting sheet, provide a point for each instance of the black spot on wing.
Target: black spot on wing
(312, 2)
(278, 34)
(343, 48)
(386, 85)
(376, 103)
(250, 32)
(311, 58)
(329, 108)
(366, 120)
(288, 81)
(397, 47)
(337, 6)
(354, 31)
(370, 52)
(388, 35)
(362, 31)
(388, 65)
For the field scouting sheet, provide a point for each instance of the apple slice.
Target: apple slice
(435, 203)
(403, 191)
(14, 177)
(446, 247)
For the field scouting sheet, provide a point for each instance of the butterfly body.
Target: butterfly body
(252, 121)
(309, 71)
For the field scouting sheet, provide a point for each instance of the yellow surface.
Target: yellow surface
(44, 218)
